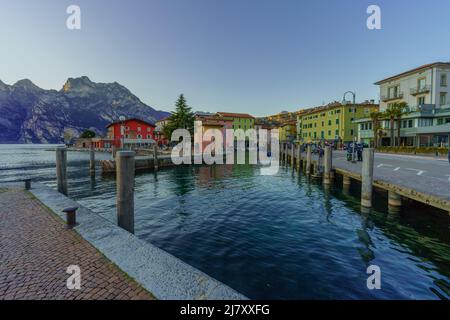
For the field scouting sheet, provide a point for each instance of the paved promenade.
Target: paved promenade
(36, 249)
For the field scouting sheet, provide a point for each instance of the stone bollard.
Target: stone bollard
(394, 199)
(61, 169)
(71, 217)
(155, 157)
(92, 160)
(125, 189)
(327, 165)
(293, 155)
(308, 159)
(367, 178)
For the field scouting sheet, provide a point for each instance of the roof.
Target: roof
(131, 119)
(424, 67)
(235, 115)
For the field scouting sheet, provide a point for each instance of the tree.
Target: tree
(376, 116)
(181, 118)
(87, 134)
(394, 111)
(401, 111)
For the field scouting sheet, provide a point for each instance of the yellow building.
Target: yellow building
(287, 132)
(333, 122)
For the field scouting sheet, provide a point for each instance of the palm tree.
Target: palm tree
(394, 112)
(400, 110)
(390, 114)
(375, 116)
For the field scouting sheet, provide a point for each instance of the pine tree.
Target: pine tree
(182, 118)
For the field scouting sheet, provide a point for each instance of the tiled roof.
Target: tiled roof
(426, 66)
(235, 115)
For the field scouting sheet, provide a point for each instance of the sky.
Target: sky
(254, 56)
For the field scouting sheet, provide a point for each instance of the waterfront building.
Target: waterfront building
(160, 138)
(130, 133)
(210, 121)
(288, 131)
(426, 121)
(240, 120)
(333, 122)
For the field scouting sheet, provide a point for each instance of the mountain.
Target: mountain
(29, 114)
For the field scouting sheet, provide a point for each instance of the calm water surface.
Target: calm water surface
(280, 237)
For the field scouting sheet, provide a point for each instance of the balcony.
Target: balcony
(395, 96)
(420, 90)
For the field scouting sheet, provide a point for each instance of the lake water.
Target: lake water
(280, 237)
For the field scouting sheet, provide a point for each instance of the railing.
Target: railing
(421, 89)
(398, 95)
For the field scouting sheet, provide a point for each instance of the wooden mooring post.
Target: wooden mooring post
(367, 178)
(155, 157)
(299, 157)
(61, 169)
(327, 178)
(292, 155)
(125, 166)
(92, 160)
(308, 159)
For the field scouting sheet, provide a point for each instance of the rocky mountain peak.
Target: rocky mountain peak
(27, 85)
(78, 84)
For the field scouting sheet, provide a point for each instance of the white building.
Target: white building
(426, 90)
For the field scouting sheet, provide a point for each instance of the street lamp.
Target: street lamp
(122, 131)
(354, 115)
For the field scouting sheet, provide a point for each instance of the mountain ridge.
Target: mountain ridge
(30, 114)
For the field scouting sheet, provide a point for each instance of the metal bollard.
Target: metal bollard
(71, 217)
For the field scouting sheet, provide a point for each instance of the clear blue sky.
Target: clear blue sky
(255, 56)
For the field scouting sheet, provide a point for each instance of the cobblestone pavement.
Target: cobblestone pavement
(36, 250)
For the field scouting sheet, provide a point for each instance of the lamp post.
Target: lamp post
(354, 114)
(122, 131)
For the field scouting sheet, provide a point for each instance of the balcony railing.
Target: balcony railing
(419, 90)
(398, 95)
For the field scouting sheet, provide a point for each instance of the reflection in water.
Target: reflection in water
(282, 236)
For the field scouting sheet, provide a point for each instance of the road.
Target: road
(425, 174)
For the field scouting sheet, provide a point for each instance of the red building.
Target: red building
(129, 134)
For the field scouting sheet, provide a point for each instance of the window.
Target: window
(443, 98)
(420, 100)
(440, 121)
(351, 132)
(323, 123)
(322, 135)
(329, 133)
(149, 136)
(337, 132)
(444, 80)
(139, 136)
(148, 129)
(425, 122)
(329, 122)
(393, 92)
(337, 121)
(421, 83)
